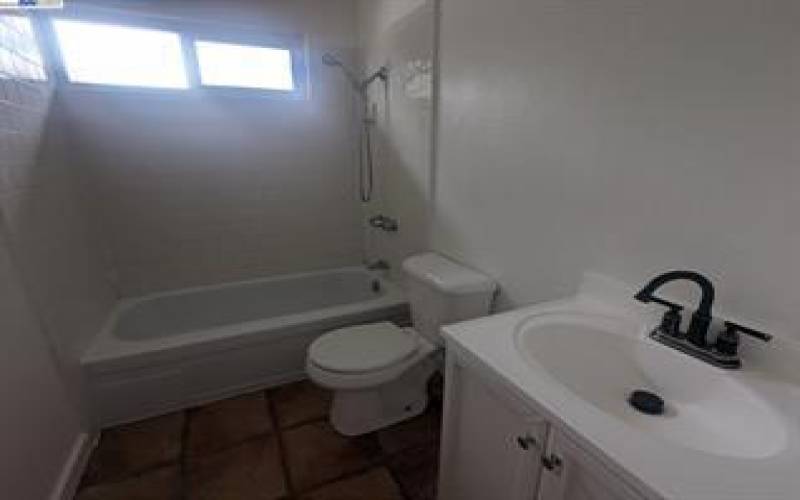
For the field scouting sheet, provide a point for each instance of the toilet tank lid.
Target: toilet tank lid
(446, 275)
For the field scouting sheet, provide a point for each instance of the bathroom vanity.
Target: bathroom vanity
(497, 446)
(536, 407)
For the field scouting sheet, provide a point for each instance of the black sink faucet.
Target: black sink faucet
(701, 318)
(724, 352)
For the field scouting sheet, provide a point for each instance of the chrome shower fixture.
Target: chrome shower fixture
(365, 159)
(359, 84)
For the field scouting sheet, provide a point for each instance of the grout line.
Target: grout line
(349, 475)
(287, 479)
(229, 446)
(132, 475)
(295, 425)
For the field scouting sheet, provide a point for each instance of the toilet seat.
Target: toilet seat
(338, 381)
(364, 348)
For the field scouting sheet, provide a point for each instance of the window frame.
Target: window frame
(188, 32)
(294, 44)
(64, 73)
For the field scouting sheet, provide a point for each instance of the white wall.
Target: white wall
(59, 255)
(400, 35)
(39, 421)
(625, 137)
(39, 424)
(195, 189)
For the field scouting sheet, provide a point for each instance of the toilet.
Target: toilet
(379, 372)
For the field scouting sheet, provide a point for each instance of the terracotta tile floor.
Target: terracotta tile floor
(274, 444)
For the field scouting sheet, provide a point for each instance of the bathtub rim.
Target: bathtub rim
(109, 353)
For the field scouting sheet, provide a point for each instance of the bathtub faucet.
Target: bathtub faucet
(383, 222)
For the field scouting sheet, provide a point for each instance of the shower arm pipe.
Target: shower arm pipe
(360, 85)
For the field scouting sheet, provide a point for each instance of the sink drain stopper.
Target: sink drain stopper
(646, 402)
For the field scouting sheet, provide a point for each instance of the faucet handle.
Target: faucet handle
(381, 221)
(733, 328)
(728, 340)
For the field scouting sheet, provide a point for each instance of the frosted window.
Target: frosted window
(117, 55)
(244, 66)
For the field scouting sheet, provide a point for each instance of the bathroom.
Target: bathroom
(391, 249)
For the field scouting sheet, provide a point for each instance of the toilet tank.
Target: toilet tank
(441, 292)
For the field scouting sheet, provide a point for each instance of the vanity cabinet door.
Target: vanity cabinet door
(492, 447)
(572, 474)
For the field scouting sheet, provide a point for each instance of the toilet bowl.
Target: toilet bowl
(379, 372)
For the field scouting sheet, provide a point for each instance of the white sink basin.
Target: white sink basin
(602, 359)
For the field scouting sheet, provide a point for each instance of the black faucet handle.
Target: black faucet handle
(728, 343)
(733, 328)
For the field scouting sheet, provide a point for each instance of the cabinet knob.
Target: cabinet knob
(525, 442)
(553, 463)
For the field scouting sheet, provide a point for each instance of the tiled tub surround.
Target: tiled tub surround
(263, 445)
(172, 350)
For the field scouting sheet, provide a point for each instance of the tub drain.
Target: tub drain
(646, 402)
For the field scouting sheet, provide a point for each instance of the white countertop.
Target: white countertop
(658, 467)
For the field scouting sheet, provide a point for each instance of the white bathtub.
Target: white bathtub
(173, 350)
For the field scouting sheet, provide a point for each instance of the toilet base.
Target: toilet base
(360, 411)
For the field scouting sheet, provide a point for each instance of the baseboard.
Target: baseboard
(70, 476)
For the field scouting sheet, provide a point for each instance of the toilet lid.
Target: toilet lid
(363, 348)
